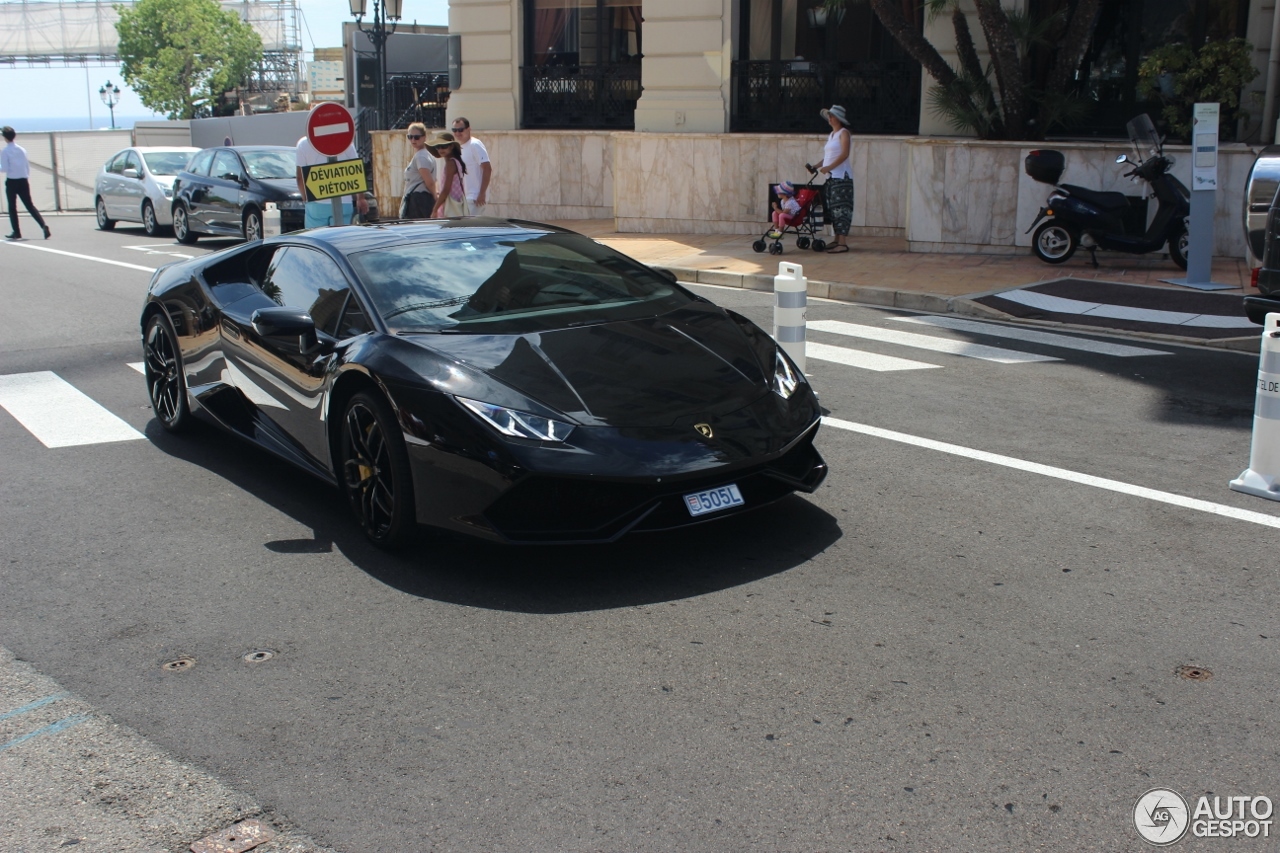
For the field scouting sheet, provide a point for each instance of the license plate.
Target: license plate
(713, 500)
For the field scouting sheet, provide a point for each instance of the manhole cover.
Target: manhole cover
(258, 655)
(178, 664)
(1194, 673)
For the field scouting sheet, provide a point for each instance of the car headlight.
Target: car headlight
(516, 424)
(291, 204)
(786, 379)
(168, 191)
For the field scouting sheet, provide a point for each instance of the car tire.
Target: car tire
(149, 222)
(100, 208)
(251, 225)
(1178, 248)
(1054, 243)
(166, 379)
(182, 226)
(374, 471)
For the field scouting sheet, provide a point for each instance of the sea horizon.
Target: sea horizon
(38, 124)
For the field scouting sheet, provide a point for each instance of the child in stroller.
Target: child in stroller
(793, 213)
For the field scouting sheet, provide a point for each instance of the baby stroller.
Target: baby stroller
(805, 225)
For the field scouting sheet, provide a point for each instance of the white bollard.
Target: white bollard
(1262, 477)
(790, 307)
(270, 220)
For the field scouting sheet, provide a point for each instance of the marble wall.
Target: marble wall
(942, 195)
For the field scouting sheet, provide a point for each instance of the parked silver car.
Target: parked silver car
(136, 185)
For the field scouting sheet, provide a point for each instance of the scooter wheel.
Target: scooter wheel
(1054, 243)
(758, 246)
(1178, 248)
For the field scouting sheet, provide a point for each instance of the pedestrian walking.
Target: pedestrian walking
(476, 157)
(17, 183)
(451, 199)
(838, 190)
(419, 198)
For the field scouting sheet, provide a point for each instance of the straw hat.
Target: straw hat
(442, 137)
(837, 111)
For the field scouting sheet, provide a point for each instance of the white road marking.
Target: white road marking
(81, 257)
(1059, 473)
(1033, 336)
(858, 358)
(1062, 305)
(928, 342)
(152, 250)
(57, 413)
(139, 366)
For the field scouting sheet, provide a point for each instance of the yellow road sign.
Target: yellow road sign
(330, 180)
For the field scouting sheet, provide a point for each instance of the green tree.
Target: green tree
(180, 55)
(1183, 77)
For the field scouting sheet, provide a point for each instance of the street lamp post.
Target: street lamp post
(110, 96)
(384, 11)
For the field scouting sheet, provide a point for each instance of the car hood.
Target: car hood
(285, 187)
(649, 372)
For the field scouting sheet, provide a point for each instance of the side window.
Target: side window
(305, 278)
(199, 164)
(132, 162)
(354, 321)
(116, 166)
(226, 166)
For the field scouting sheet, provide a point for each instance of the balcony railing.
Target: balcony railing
(581, 96)
(786, 96)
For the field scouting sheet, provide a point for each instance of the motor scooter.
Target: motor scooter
(1076, 217)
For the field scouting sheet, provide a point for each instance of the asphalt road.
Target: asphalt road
(937, 651)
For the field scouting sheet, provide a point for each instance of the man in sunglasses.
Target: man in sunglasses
(475, 182)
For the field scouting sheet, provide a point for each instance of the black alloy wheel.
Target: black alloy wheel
(1054, 243)
(100, 208)
(166, 384)
(182, 226)
(1178, 247)
(149, 223)
(375, 471)
(252, 225)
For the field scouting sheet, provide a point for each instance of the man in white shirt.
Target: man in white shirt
(320, 213)
(475, 183)
(17, 183)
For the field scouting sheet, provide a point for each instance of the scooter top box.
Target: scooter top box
(1045, 166)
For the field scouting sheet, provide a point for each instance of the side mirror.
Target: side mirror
(130, 172)
(287, 323)
(1123, 158)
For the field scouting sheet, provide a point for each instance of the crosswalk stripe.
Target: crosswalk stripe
(1033, 336)
(139, 366)
(858, 358)
(59, 414)
(928, 342)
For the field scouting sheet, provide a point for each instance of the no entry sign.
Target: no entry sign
(330, 129)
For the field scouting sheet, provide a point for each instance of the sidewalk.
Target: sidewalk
(880, 271)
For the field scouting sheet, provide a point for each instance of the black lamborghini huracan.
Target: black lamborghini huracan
(504, 379)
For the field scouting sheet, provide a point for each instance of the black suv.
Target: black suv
(1268, 277)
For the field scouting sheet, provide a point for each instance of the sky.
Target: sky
(71, 94)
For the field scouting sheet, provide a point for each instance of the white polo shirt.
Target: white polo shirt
(13, 161)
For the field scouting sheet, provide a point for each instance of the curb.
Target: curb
(933, 303)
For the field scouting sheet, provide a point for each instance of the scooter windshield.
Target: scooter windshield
(1143, 135)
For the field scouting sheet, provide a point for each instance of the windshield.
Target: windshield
(1143, 135)
(166, 162)
(505, 284)
(265, 165)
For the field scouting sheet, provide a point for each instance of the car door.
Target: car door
(227, 180)
(111, 186)
(195, 194)
(132, 187)
(284, 385)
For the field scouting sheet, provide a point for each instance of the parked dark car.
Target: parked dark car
(507, 380)
(1268, 276)
(223, 191)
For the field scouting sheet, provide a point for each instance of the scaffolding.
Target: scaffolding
(65, 33)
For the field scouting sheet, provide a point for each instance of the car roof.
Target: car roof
(163, 149)
(256, 147)
(348, 239)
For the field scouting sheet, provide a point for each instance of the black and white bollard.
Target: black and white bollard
(1262, 477)
(790, 307)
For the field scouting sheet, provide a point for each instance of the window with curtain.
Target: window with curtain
(583, 32)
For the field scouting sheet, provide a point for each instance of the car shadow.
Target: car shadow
(641, 569)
